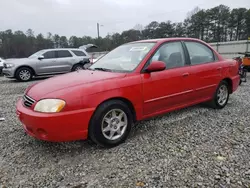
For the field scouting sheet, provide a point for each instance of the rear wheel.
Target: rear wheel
(245, 75)
(221, 96)
(77, 67)
(24, 74)
(111, 123)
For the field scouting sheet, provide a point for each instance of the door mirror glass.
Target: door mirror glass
(156, 66)
(41, 57)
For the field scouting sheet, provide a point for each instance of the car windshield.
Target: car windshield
(124, 58)
(37, 54)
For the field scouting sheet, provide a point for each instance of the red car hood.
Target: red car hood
(65, 81)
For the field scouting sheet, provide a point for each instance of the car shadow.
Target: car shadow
(64, 150)
(76, 147)
(147, 123)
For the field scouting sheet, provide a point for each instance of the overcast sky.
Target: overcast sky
(79, 17)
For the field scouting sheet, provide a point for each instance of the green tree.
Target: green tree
(56, 41)
(63, 42)
(247, 22)
(215, 24)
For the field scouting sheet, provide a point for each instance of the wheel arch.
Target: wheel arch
(230, 84)
(25, 66)
(80, 63)
(83, 62)
(126, 101)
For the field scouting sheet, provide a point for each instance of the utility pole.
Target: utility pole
(98, 30)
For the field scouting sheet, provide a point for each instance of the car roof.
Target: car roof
(161, 40)
(65, 49)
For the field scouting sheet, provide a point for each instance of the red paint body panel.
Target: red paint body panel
(150, 94)
(70, 81)
(166, 89)
(65, 126)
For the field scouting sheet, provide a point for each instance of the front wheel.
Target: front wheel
(111, 123)
(24, 74)
(221, 96)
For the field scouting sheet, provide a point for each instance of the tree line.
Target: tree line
(218, 24)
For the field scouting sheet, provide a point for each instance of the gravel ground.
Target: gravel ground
(193, 147)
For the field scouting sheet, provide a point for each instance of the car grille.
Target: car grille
(27, 101)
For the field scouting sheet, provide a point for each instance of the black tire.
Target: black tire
(95, 127)
(23, 70)
(245, 75)
(214, 103)
(77, 67)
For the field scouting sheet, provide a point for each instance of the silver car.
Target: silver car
(46, 62)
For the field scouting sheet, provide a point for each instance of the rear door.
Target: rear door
(170, 88)
(65, 61)
(48, 64)
(206, 68)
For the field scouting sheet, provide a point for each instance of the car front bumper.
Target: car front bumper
(8, 72)
(56, 127)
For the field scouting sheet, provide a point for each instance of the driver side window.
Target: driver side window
(49, 55)
(171, 54)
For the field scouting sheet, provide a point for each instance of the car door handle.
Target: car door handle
(219, 68)
(185, 74)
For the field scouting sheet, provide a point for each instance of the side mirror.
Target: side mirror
(41, 57)
(156, 66)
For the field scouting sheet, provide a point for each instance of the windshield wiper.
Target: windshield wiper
(102, 69)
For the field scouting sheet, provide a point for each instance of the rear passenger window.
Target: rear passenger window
(199, 53)
(78, 53)
(49, 55)
(63, 53)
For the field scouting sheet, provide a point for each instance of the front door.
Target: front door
(47, 65)
(170, 88)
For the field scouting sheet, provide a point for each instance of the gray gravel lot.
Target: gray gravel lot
(193, 147)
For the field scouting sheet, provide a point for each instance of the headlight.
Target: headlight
(8, 65)
(50, 105)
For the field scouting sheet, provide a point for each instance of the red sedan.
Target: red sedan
(135, 81)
